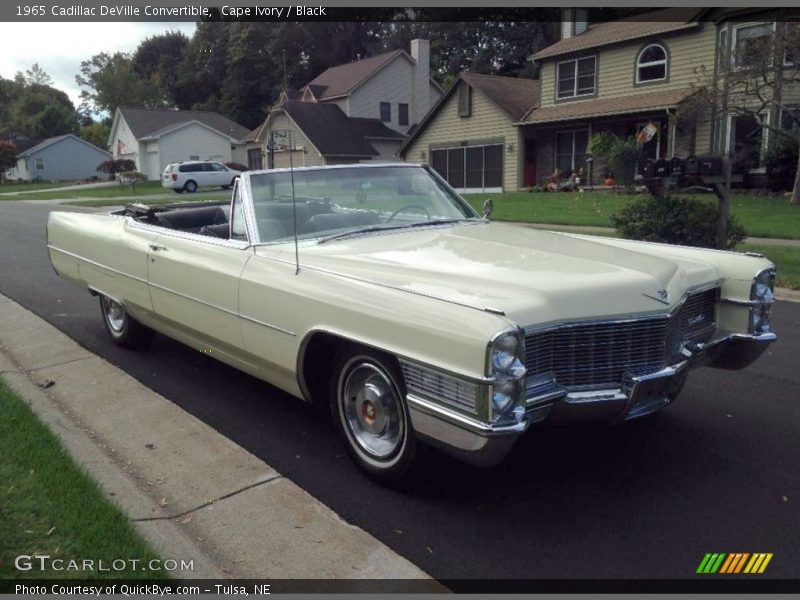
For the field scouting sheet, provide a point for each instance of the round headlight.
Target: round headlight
(504, 351)
(763, 286)
(503, 396)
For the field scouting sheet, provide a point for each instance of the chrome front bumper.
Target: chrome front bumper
(482, 444)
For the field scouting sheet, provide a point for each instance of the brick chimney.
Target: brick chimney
(574, 21)
(421, 87)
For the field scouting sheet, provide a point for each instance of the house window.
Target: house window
(651, 64)
(749, 42)
(471, 168)
(577, 77)
(194, 157)
(571, 150)
(402, 114)
(747, 141)
(39, 164)
(386, 112)
(254, 159)
(464, 100)
(791, 40)
(790, 117)
(722, 49)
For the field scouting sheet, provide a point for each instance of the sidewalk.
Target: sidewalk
(191, 492)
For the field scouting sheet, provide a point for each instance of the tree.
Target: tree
(751, 83)
(8, 157)
(96, 133)
(155, 61)
(35, 110)
(37, 76)
(111, 82)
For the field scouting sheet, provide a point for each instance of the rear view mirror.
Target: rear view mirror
(488, 208)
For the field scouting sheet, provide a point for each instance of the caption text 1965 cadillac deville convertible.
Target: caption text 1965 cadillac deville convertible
(413, 316)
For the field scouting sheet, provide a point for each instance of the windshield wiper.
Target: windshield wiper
(374, 228)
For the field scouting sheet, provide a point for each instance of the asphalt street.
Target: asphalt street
(719, 471)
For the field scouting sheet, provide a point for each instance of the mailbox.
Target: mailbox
(649, 169)
(662, 167)
(710, 164)
(676, 166)
(691, 166)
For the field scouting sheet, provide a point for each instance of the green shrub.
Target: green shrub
(780, 159)
(674, 220)
(621, 155)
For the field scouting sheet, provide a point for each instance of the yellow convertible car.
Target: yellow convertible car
(379, 290)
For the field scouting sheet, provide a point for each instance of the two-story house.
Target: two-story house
(349, 113)
(623, 76)
(619, 76)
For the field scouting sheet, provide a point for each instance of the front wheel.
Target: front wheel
(124, 330)
(370, 413)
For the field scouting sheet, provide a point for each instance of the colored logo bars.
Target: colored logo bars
(742, 562)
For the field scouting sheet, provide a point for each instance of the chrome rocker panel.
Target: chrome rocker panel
(484, 445)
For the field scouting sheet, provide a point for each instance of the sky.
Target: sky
(59, 48)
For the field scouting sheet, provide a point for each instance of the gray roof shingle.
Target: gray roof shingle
(613, 32)
(329, 129)
(147, 121)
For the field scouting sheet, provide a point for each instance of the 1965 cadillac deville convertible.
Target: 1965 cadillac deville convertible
(379, 290)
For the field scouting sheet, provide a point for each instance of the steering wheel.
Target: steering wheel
(399, 210)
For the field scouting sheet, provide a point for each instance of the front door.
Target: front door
(194, 285)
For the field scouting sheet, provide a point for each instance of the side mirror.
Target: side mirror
(488, 208)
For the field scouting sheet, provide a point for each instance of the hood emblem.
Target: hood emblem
(661, 295)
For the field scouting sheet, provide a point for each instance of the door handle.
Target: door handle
(157, 248)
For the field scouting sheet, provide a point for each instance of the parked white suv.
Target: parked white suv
(190, 175)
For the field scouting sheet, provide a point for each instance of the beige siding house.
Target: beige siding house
(628, 75)
(470, 136)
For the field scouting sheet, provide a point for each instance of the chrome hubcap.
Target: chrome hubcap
(372, 411)
(115, 315)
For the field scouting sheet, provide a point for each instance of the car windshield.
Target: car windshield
(333, 203)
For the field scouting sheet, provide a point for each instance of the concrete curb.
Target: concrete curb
(191, 492)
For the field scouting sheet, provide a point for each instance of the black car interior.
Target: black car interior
(275, 220)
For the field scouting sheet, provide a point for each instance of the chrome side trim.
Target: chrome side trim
(96, 264)
(176, 293)
(186, 235)
(222, 309)
(268, 325)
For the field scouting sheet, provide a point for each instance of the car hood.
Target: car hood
(531, 276)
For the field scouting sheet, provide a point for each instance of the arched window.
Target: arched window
(651, 64)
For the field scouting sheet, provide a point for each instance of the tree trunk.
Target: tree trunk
(795, 199)
(724, 195)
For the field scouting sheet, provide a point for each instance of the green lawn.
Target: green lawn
(786, 259)
(16, 187)
(762, 216)
(48, 506)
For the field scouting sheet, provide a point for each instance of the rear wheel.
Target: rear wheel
(190, 186)
(369, 411)
(124, 330)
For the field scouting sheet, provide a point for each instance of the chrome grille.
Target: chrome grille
(597, 354)
(697, 316)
